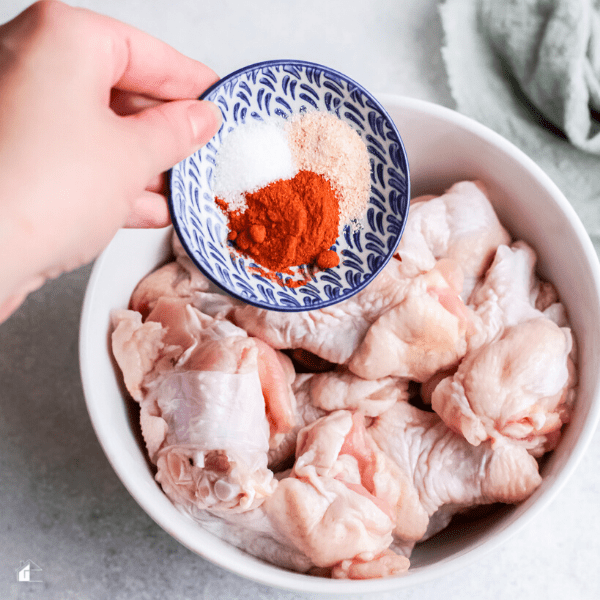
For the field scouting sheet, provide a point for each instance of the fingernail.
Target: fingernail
(205, 119)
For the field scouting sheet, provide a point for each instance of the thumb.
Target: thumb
(174, 130)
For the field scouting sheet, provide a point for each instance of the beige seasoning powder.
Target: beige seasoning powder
(322, 143)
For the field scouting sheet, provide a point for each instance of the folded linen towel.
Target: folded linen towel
(552, 48)
(485, 89)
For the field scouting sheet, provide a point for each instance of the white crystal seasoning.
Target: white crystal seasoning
(251, 157)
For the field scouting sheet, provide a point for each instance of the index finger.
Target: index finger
(146, 65)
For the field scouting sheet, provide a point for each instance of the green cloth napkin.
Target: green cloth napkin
(552, 49)
(508, 69)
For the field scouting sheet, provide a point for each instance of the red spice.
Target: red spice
(242, 240)
(280, 279)
(287, 223)
(258, 233)
(328, 259)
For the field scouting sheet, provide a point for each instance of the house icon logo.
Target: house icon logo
(29, 572)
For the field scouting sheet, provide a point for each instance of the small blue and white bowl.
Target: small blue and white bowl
(282, 88)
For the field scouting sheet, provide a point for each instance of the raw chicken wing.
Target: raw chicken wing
(445, 468)
(461, 224)
(211, 398)
(511, 293)
(425, 333)
(329, 523)
(519, 387)
(214, 454)
(339, 504)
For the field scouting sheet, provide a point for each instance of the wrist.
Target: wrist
(18, 275)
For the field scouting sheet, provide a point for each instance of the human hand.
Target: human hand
(92, 112)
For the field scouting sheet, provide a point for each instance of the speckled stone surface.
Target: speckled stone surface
(61, 505)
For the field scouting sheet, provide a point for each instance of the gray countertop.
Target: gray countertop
(62, 506)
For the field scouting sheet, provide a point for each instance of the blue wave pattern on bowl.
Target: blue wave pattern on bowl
(280, 89)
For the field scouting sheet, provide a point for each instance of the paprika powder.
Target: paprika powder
(288, 222)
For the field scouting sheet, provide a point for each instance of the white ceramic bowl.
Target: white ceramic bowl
(443, 147)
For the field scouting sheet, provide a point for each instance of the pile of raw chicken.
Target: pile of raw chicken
(332, 441)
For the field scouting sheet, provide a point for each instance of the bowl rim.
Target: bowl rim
(286, 580)
(390, 252)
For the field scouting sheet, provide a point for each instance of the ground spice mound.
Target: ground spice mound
(287, 223)
(322, 143)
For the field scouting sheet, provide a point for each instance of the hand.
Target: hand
(92, 112)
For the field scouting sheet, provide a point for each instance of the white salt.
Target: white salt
(250, 157)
